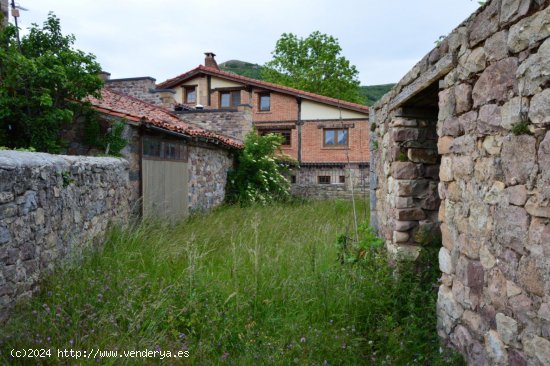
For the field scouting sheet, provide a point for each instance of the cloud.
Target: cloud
(168, 37)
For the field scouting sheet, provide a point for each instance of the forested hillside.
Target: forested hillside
(371, 92)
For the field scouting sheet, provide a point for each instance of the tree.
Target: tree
(313, 64)
(42, 85)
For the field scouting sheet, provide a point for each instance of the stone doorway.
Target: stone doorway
(413, 174)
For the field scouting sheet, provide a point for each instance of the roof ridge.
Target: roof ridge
(280, 87)
(121, 105)
(142, 101)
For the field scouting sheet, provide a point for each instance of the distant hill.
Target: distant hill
(372, 92)
(242, 68)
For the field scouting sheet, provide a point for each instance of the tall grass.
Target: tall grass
(240, 286)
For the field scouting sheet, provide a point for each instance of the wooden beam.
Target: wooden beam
(436, 72)
(417, 112)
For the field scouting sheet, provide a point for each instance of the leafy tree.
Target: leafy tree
(258, 177)
(313, 64)
(42, 84)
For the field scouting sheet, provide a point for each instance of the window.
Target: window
(151, 147)
(285, 133)
(265, 102)
(230, 99)
(335, 137)
(157, 149)
(324, 179)
(293, 179)
(342, 179)
(190, 95)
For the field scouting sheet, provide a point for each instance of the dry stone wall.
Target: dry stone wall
(307, 182)
(51, 208)
(208, 168)
(492, 98)
(232, 123)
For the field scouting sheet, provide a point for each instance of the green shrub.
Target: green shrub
(259, 173)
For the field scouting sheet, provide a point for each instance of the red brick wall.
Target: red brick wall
(314, 151)
(283, 108)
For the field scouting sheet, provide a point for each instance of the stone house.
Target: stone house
(461, 145)
(175, 168)
(327, 136)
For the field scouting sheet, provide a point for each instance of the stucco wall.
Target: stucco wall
(51, 208)
(312, 110)
(493, 76)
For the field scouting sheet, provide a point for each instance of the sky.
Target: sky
(165, 38)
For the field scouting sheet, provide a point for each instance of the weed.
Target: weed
(67, 178)
(25, 149)
(521, 128)
(402, 156)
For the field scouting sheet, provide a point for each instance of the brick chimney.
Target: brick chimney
(210, 61)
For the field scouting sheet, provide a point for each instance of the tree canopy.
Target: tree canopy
(42, 84)
(313, 64)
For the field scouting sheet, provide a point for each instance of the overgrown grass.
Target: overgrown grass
(239, 286)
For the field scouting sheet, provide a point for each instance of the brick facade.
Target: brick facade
(303, 115)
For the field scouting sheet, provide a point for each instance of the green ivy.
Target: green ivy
(259, 176)
(111, 141)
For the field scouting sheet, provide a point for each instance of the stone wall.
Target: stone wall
(307, 181)
(51, 208)
(143, 88)
(488, 85)
(208, 169)
(232, 123)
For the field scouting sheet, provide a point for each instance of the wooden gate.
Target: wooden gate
(165, 179)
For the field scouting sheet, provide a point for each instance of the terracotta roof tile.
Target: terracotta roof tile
(133, 109)
(263, 84)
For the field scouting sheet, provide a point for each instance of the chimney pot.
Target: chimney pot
(104, 75)
(210, 61)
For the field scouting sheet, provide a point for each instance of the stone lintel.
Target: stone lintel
(440, 69)
(416, 112)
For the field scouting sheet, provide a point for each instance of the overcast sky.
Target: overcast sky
(164, 38)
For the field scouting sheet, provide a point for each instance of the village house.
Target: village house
(328, 137)
(175, 168)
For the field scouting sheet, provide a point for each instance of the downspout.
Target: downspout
(208, 88)
(299, 125)
(140, 134)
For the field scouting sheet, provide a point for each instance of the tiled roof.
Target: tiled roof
(262, 84)
(133, 109)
